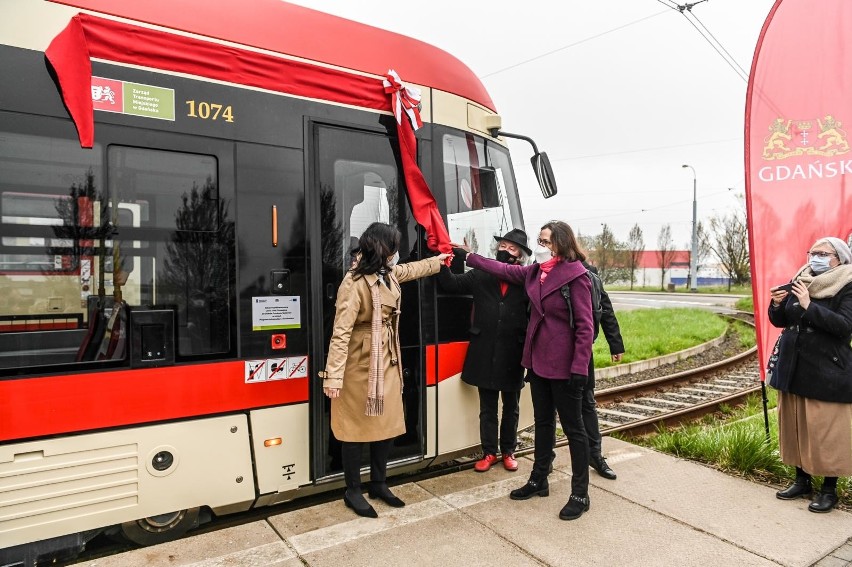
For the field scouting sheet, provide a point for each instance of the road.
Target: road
(625, 301)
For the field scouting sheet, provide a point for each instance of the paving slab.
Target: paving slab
(613, 532)
(660, 511)
(248, 545)
(732, 509)
(449, 539)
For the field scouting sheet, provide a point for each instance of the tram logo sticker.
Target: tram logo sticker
(137, 99)
(276, 312)
(273, 369)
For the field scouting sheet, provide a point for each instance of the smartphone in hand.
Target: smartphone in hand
(788, 287)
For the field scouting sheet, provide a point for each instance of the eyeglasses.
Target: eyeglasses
(821, 254)
(543, 242)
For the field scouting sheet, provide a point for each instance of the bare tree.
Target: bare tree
(608, 256)
(665, 252)
(635, 248)
(729, 243)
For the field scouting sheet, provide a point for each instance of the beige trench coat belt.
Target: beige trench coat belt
(389, 323)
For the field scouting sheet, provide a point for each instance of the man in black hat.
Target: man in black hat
(493, 361)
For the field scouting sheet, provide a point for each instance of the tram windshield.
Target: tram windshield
(480, 191)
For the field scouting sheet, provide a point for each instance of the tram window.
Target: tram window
(47, 189)
(61, 229)
(480, 191)
(368, 193)
(186, 265)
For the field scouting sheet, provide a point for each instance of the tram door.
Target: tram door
(356, 181)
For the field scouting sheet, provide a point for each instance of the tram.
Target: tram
(171, 247)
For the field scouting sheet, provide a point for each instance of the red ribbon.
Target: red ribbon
(406, 99)
(87, 36)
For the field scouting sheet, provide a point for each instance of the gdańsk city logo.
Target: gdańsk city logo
(819, 137)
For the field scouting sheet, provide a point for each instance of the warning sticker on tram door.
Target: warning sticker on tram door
(277, 368)
(297, 367)
(255, 371)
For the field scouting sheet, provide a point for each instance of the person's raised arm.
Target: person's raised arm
(419, 269)
(507, 272)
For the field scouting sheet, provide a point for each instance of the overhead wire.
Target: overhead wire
(669, 4)
(640, 150)
(576, 43)
(719, 43)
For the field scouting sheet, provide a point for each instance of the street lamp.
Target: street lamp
(693, 272)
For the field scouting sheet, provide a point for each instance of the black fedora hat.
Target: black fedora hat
(516, 236)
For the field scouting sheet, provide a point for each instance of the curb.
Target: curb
(640, 365)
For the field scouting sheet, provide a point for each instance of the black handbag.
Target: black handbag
(772, 363)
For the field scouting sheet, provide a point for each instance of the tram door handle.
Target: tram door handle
(329, 291)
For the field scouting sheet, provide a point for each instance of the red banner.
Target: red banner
(797, 147)
(87, 36)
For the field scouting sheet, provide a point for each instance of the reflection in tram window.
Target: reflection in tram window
(62, 232)
(477, 181)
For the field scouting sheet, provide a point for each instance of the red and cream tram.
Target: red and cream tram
(180, 187)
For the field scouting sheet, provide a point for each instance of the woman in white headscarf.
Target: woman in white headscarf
(813, 373)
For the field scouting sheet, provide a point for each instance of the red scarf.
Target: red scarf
(546, 267)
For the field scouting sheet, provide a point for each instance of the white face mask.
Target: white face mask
(542, 254)
(820, 265)
(393, 259)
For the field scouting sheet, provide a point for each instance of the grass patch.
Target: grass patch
(737, 445)
(713, 289)
(746, 334)
(745, 304)
(649, 333)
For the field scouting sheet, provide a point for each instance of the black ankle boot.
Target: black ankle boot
(531, 488)
(381, 491)
(574, 508)
(823, 502)
(800, 489)
(355, 500)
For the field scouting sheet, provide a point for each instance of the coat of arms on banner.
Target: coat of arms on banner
(812, 137)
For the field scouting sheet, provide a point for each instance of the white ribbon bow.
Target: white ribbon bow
(403, 97)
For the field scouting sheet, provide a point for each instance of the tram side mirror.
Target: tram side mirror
(544, 174)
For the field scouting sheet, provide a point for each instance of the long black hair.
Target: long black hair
(379, 242)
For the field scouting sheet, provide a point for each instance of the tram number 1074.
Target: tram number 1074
(209, 110)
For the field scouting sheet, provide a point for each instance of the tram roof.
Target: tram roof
(302, 32)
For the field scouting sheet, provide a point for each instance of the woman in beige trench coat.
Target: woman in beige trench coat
(362, 372)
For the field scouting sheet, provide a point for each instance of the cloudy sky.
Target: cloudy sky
(619, 94)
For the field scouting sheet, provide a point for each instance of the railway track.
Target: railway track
(641, 407)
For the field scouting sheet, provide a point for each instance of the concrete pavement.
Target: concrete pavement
(660, 511)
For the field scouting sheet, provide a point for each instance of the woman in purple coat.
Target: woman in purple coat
(556, 354)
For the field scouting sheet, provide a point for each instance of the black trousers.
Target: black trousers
(566, 398)
(590, 413)
(508, 422)
(351, 455)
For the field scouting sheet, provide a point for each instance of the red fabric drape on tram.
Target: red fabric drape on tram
(88, 36)
(798, 159)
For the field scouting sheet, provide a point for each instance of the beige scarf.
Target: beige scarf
(376, 385)
(826, 284)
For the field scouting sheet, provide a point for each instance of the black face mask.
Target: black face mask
(505, 257)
